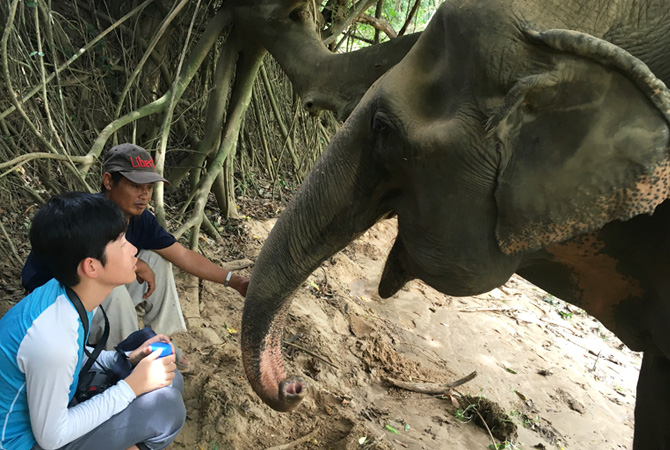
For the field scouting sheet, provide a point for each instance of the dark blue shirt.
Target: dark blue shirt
(144, 232)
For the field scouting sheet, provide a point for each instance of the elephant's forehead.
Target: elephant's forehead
(475, 47)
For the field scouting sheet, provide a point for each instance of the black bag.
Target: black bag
(92, 383)
(95, 381)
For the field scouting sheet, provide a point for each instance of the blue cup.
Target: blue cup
(166, 349)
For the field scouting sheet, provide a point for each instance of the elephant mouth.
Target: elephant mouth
(395, 274)
(448, 269)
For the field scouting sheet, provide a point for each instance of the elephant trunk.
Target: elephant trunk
(319, 222)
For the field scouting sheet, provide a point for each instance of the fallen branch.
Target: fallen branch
(238, 264)
(431, 388)
(303, 349)
(402, 444)
(486, 309)
(295, 443)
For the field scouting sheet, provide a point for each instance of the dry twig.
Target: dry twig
(303, 349)
(295, 443)
(487, 428)
(431, 388)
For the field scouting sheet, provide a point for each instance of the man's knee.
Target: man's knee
(154, 260)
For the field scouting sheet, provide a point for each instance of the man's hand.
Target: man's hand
(196, 264)
(143, 350)
(152, 373)
(240, 284)
(146, 275)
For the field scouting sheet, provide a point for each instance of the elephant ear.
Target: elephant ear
(580, 146)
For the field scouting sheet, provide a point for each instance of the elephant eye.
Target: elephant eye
(379, 123)
(385, 139)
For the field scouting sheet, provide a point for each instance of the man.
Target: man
(128, 181)
(81, 239)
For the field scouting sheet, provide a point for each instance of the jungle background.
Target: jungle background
(236, 101)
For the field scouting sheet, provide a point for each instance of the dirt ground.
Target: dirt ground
(554, 372)
(546, 367)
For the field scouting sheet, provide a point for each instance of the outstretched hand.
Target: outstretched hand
(240, 284)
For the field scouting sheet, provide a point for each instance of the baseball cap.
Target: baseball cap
(133, 162)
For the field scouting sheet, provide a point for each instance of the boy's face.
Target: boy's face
(121, 262)
(131, 197)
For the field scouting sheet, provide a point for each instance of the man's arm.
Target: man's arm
(196, 264)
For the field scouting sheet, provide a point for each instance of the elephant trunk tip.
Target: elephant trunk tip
(287, 397)
(291, 392)
(277, 390)
(264, 368)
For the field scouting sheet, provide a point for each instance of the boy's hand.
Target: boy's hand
(152, 373)
(144, 274)
(143, 350)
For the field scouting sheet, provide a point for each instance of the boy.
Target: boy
(81, 237)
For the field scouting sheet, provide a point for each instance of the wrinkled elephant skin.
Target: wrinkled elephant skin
(526, 136)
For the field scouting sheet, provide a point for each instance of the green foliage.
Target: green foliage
(396, 14)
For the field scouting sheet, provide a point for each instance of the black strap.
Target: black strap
(74, 298)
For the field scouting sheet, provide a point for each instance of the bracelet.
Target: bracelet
(228, 277)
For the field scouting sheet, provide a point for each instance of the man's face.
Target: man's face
(120, 262)
(131, 197)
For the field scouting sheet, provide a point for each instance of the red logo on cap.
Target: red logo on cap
(138, 162)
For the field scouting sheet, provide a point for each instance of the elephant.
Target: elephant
(516, 136)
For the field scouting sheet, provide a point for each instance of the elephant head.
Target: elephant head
(488, 141)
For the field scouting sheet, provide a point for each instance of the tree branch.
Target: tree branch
(74, 57)
(337, 29)
(15, 101)
(378, 14)
(198, 54)
(334, 82)
(379, 24)
(248, 66)
(147, 53)
(410, 16)
(216, 110)
(167, 119)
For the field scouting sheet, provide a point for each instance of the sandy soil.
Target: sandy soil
(554, 372)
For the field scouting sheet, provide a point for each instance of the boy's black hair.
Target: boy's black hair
(116, 176)
(74, 226)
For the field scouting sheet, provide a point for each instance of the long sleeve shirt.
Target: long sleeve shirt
(41, 354)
